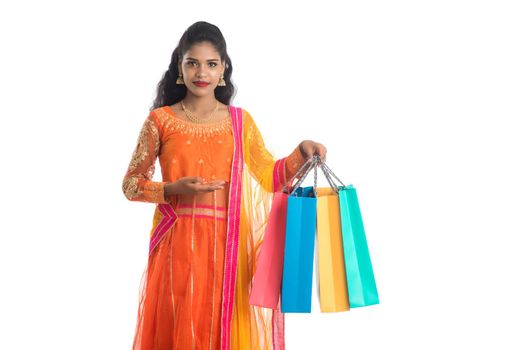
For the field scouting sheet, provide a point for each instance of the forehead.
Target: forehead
(202, 51)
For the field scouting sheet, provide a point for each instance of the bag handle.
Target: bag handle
(326, 168)
(310, 164)
(301, 172)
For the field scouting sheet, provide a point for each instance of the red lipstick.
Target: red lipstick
(201, 83)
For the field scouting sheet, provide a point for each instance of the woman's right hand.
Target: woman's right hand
(192, 185)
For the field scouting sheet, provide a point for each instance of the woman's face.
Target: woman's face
(202, 68)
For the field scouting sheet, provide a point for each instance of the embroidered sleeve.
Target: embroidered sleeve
(138, 184)
(261, 160)
(286, 168)
(293, 162)
(271, 174)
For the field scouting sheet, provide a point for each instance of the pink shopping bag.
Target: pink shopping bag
(267, 280)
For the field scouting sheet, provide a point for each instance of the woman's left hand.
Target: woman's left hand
(309, 148)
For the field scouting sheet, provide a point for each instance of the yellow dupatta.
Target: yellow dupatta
(254, 327)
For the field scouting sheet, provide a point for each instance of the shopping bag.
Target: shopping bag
(331, 268)
(267, 281)
(361, 284)
(299, 247)
(299, 251)
(360, 278)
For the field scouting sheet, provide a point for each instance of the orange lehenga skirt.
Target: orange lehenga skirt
(181, 298)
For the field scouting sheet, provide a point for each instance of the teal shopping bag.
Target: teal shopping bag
(297, 276)
(361, 284)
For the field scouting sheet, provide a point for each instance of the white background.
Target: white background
(418, 103)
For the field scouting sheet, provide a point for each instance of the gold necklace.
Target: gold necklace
(195, 119)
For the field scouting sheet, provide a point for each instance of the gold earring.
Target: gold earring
(222, 82)
(179, 80)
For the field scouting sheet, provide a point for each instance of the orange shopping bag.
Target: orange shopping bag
(331, 268)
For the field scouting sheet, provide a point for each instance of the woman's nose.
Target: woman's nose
(201, 71)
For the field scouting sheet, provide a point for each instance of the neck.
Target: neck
(200, 105)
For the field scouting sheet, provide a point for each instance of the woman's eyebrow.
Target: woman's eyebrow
(210, 60)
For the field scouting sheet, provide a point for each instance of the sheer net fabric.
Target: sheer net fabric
(181, 292)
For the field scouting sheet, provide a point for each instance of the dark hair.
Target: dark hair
(168, 92)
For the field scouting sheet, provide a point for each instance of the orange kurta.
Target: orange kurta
(181, 295)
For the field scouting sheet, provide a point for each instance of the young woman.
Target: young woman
(211, 206)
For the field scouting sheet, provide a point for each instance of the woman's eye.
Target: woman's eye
(191, 63)
(213, 64)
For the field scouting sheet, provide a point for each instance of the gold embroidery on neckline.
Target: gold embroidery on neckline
(185, 127)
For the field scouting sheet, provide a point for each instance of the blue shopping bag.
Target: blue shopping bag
(297, 274)
(297, 277)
